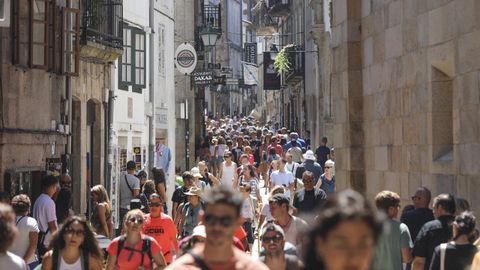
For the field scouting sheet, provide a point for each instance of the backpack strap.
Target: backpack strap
(443, 251)
(121, 243)
(18, 221)
(84, 260)
(55, 259)
(199, 261)
(128, 185)
(146, 249)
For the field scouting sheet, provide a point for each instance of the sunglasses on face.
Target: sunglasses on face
(136, 219)
(72, 231)
(154, 204)
(225, 221)
(277, 238)
(328, 167)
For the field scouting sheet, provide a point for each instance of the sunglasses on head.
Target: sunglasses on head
(274, 239)
(72, 231)
(136, 219)
(154, 204)
(225, 221)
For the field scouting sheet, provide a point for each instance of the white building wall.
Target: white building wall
(164, 82)
(134, 128)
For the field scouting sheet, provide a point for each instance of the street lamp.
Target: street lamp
(209, 37)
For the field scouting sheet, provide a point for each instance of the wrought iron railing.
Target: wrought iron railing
(261, 19)
(296, 57)
(212, 16)
(102, 22)
(279, 8)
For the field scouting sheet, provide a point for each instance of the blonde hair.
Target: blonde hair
(202, 164)
(101, 193)
(134, 212)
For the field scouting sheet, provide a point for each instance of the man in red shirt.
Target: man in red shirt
(161, 227)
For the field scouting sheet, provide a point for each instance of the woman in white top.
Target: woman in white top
(73, 247)
(228, 170)
(25, 244)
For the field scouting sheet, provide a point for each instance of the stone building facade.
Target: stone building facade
(54, 94)
(406, 100)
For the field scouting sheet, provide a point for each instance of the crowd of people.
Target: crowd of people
(259, 197)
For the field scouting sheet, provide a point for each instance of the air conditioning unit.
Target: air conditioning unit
(4, 13)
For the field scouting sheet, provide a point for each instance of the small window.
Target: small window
(71, 41)
(20, 33)
(39, 34)
(132, 65)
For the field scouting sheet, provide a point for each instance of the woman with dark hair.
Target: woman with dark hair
(344, 235)
(147, 190)
(459, 253)
(250, 177)
(160, 184)
(73, 247)
(8, 233)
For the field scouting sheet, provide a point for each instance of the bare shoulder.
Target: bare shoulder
(246, 262)
(186, 262)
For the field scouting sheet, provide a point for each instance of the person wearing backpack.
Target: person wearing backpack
(134, 250)
(73, 247)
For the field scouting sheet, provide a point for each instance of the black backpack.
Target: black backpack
(145, 248)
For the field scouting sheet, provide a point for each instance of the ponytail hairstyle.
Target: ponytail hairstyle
(465, 223)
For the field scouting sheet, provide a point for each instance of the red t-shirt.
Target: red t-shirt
(164, 231)
(122, 261)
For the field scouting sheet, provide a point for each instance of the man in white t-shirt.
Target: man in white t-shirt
(44, 212)
(282, 177)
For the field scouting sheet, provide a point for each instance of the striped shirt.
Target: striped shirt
(253, 183)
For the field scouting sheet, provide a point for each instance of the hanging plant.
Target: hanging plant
(282, 62)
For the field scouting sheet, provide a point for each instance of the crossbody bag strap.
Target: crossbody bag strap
(18, 221)
(199, 261)
(443, 251)
(128, 185)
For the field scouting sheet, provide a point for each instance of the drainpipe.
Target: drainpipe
(151, 119)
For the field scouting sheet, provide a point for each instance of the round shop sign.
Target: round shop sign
(185, 58)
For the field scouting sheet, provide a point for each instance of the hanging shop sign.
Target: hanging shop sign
(202, 77)
(250, 53)
(185, 58)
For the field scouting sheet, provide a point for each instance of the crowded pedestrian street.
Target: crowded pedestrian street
(239, 134)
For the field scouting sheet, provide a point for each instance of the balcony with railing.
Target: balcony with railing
(264, 23)
(296, 57)
(212, 16)
(102, 34)
(278, 8)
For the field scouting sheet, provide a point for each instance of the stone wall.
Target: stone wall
(418, 98)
